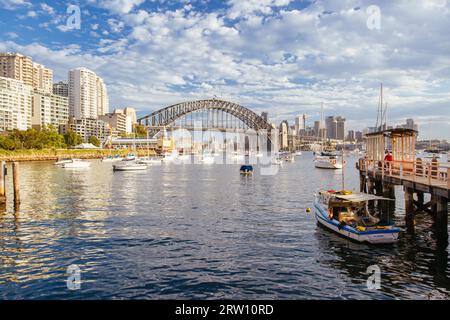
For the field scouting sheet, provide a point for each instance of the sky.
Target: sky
(285, 57)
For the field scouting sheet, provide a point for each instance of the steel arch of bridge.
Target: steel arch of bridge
(166, 116)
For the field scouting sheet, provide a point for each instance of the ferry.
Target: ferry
(347, 214)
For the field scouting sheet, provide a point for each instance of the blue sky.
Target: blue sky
(280, 56)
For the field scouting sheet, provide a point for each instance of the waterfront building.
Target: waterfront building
(49, 109)
(88, 97)
(131, 118)
(117, 122)
(359, 136)
(15, 104)
(351, 135)
(87, 127)
(19, 67)
(284, 132)
(61, 88)
(340, 128)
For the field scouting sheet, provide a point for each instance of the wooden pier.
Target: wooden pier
(418, 177)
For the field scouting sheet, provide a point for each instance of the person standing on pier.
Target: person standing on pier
(388, 158)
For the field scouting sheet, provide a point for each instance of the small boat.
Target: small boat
(130, 157)
(150, 160)
(327, 162)
(298, 153)
(76, 164)
(208, 158)
(62, 161)
(347, 214)
(169, 157)
(112, 159)
(129, 166)
(246, 170)
(277, 161)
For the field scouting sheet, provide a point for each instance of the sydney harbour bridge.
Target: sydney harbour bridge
(209, 115)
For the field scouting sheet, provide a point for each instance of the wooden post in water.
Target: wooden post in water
(2, 182)
(16, 184)
(441, 222)
(409, 210)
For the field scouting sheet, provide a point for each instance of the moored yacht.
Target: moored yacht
(76, 164)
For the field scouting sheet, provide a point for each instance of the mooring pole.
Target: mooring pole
(409, 210)
(2, 182)
(441, 222)
(16, 183)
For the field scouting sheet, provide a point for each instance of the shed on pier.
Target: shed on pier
(401, 142)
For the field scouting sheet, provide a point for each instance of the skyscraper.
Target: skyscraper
(15, 104)
(88, 97)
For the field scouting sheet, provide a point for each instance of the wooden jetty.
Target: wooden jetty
(417, 176)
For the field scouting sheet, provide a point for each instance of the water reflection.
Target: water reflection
(182, 231)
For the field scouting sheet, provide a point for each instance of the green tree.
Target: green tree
(140, 130)
(49, 137)
(72, 138)
(6, 143)
(94, 140)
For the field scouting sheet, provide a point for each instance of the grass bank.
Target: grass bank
(54, 154)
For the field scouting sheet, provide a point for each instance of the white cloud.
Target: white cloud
(13, 4)
(286, 63)
(48, 9)
(119, 6)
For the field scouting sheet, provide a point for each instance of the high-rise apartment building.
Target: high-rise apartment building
(49, 109)
(15, 104)
(20, 67)
(88, 97)
(61, 88)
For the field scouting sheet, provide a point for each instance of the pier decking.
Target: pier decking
(417, 176)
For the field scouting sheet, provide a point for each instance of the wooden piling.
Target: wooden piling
(16, 183)
(409, 210)
(2, 182)
(441, 222)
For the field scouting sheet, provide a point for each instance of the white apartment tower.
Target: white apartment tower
(88, 97)
(15, 104)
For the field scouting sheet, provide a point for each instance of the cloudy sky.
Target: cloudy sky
(280, 56)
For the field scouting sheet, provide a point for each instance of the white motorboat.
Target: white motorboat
(129, 166)
(150, 160)
(298, 153)
(347, 214)
(277, 161)
(62, 161)
(327, 162)
(76, 164)
(130, 157)
(169, 157)
(208, 159)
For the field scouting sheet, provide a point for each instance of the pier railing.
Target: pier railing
(432, 173)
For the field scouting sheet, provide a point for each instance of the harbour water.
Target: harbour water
(203, 232)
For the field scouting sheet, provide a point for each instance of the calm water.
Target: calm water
(193, 231)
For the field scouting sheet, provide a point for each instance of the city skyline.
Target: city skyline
(135, 46)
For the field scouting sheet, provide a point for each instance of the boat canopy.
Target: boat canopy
(359, 197)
